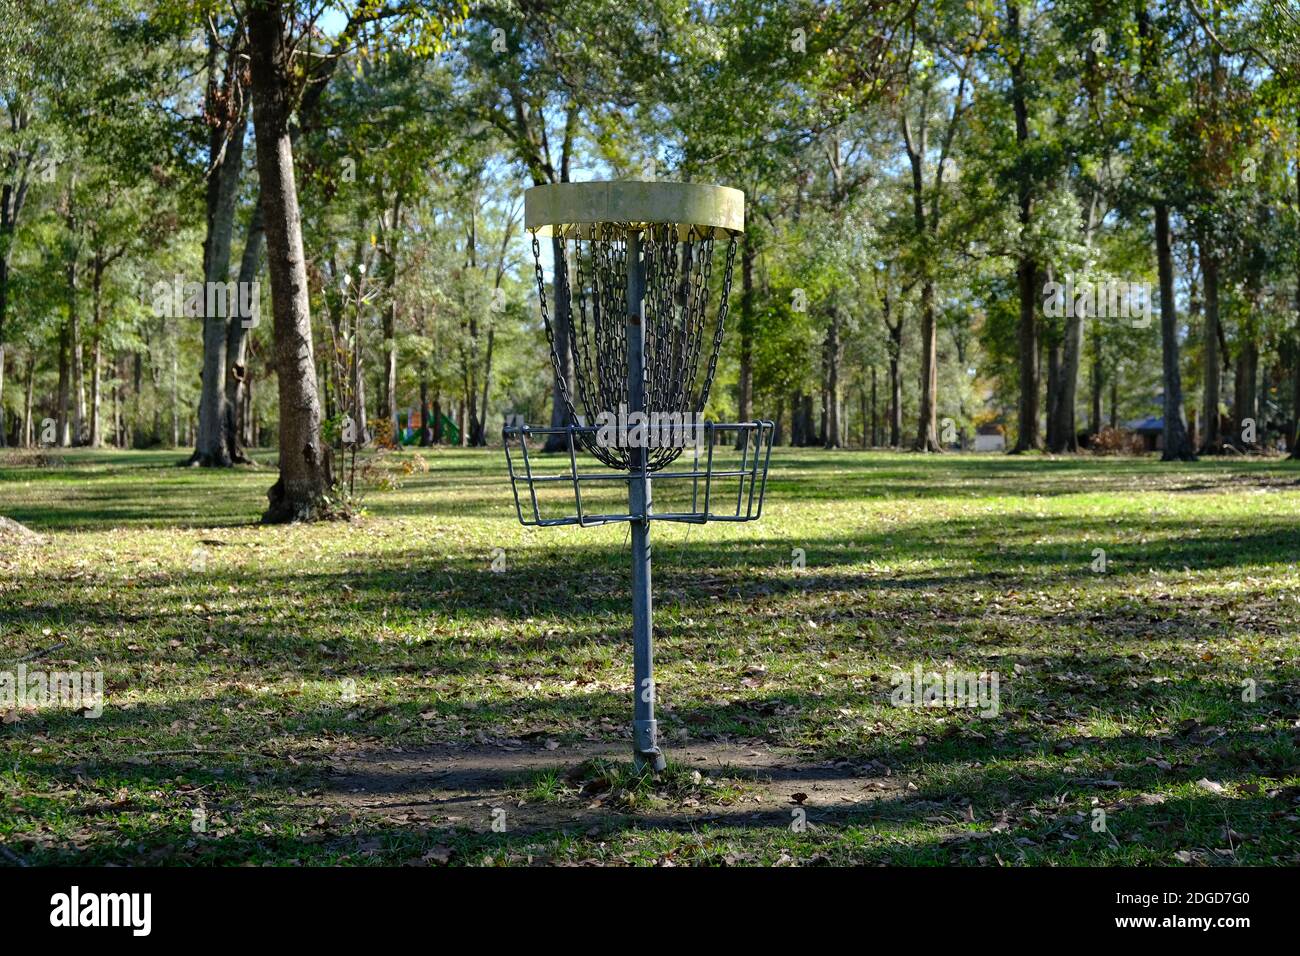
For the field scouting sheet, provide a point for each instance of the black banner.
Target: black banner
(334, 905)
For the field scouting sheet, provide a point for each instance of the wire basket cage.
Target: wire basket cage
(722, 476)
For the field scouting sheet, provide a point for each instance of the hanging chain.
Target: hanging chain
(578, 336)
(546, 321)
(723, 306)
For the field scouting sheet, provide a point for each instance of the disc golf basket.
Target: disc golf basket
(633, 269)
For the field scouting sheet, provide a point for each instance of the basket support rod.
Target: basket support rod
(645, 747)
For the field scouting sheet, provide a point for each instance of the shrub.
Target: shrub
(1117, 441)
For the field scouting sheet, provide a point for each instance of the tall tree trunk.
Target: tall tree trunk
(96, 355)
(117, 409)
(926, 228)
(823, 416)
(1063, 387)
(1098, 382)
(76, 361)
(875, 420)
(469, 385)
(176, 402)
(155, 375)
(895, 348)
(12, 199)
(1074, 333)
(1211, 439)
(225, 164)
(467, 403)
(426, 432)
(481, 436)
(4, 299)
(1294, 443)
(917, 149)
(895, 404)
(388, 266)
(1177, 447)
(1027, 344)
(1026, 268)
(833, 437)
(76, 350)
(360, 405)
(1054, 375)
(1246, 388)
(27, 403)
(305, 461)
(389, 393)
(237, 375)
(1295, 386)
(63, 437)
(469, 351)
(123, 423)
(863, 416)
(213, 445)
(1067, 427)
(927, 436)
(96, 358)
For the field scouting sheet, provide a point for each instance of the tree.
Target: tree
(306, 474)
(226, 116)
(1177, 444)
(1026, 265)
(275, 38)
(929, 44)
(34, 38)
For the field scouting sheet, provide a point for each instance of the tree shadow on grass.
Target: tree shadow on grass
(992, 798)
(798, 476)
(549, 601)
(1159, 835)
(104, 491)
(1033, 723)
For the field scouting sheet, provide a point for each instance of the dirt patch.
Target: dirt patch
(11, 532)
(468, 786)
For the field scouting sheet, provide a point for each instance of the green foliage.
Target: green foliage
(426, 120)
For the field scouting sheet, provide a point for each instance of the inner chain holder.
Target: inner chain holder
(592, 272)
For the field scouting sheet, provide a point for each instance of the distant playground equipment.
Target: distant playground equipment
(409, 433)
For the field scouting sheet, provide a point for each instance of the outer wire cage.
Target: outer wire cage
(750, 441)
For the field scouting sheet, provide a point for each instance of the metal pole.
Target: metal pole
(645, 749)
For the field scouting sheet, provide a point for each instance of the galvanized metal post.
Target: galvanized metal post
(645, 749)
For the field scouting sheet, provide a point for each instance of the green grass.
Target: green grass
(240, 661)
